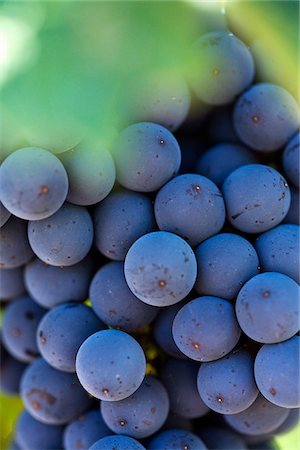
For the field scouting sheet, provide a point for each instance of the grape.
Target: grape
(49, 285)
(278, 250)
(225, 262)
(162, 331)
(4, 215)
(147, 155)
(180, 380)
(219, 161)
(34, 435)
(20, 322)
(52, 396)
(176, 439)
(222, 439)
(261, 417)
(228, 67)
(290, 160)
(11, 371)
(195, 325)
(265, 117)
(118, 442)
(277, 373)
(62, 331)
(83, 432)
(141, 414)
(290, 422)
(227, 385)
(114, 303)
(11, 283)
(63, 239)
(220, 127)
(34, 183)
(267, 308)
(293, 215)
(91, 173)
(160, 268)
(15, 248)
(191, 196)
(257, 198)
(121, 219)
(110, 365)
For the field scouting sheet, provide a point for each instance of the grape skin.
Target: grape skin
(110, 365)
(195, 324)
(63, 239)
(114, 303)
(280, 387)
(140, 415)
(160, 268)
(267, 308)
(257, 198)
(34, 183)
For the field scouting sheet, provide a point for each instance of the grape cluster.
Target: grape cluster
(150, 292)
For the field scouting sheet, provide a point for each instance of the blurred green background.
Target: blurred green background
(67, 70)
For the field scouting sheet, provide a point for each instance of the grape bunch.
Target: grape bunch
(150, 291)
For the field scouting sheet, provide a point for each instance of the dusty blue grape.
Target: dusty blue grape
(257, 198)
(91, 173)
(34, 183)
(220, 126)
(114, 303)
(278, 250)
(4, 214)
(31, 434)
(11, 371)
(219, 161)
(15, 248)
(50, 286)
(11, 283)
(176, 439)
(20, 322)
(140, 415)
(62, 331)
(110, 365)
(267, 308)
(293, 215)
(261, 417)
(222, 439)
(265, 117)
(227, 385)
(162, 331)
(277, 373)
(52, 396)
(147, 155)
(83, 432)
(121, 219)
(180, 380)
(291, 160)
(160, 268)
(228, 68)
(195, 325)
(225, 262)
(63, 239)
(194, 197)
(117, 442)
